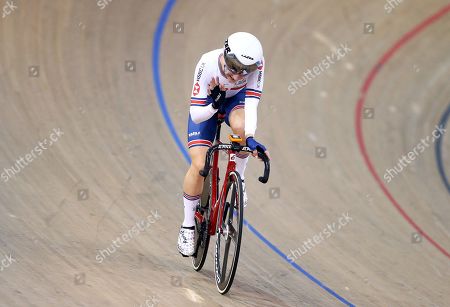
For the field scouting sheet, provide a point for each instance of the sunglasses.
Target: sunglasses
(233, 65)
(235, 71)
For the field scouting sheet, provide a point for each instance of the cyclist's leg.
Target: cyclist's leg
(237, 121)
(193, 182)
(235, 118)
(200, 138)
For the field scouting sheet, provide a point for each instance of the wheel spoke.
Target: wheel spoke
(225, 259)
(233, 195)
(230, 214)
(225, 212)
(233, 203)
(232, 233)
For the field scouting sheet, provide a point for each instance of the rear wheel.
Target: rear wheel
(201, 226)
(229, 234)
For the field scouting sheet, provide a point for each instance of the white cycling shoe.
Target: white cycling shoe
(186, 242)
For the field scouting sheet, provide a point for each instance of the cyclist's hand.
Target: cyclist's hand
(255, 145)
(217, 92)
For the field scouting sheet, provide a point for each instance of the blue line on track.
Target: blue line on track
(157, 80)
(438, 149)
(162, 104)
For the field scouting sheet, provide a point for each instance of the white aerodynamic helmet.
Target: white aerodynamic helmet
(243, 53)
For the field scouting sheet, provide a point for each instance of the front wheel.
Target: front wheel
(229, 234)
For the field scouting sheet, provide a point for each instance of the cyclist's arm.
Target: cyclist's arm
(252, 95)
(251, 116)
(200, 114)
(201, 108)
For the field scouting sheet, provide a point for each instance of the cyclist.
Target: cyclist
(228, 80)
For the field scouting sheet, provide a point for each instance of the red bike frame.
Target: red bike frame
(218, 203)
(217, 200)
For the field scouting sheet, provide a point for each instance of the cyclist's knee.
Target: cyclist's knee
(237, 122)
(238, 127)
(198, 157)
(198, 164)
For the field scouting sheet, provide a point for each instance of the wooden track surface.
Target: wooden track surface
(63, 67)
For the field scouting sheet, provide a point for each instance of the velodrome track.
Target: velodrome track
(63, 67)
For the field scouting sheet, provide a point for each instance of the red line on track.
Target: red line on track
(358, 114)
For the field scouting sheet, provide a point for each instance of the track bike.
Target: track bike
(221, 212)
